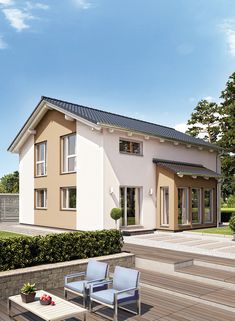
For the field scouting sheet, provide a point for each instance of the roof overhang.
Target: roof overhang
(186, 169)
(33, 120)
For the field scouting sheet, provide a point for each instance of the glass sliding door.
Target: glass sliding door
(130, 205)
(183, 208)
(164, 204)
(196, 206)
(208, 205)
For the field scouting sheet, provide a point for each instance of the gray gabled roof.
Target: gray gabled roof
(100, 117)
(182, 168)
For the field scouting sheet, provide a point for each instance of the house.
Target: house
(76, 163)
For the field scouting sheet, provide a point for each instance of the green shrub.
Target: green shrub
(28, 251)
(232, 223)
(116, 214)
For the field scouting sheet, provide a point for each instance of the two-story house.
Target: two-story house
(76, 163)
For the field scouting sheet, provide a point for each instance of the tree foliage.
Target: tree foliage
(10, 183)
(217, 123)
(205, 120)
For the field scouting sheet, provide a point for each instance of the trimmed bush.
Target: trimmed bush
(116, 214)
(25, 251)
(232, 223)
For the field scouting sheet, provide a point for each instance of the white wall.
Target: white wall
(131, 170)
(26, 173)
(89, 178)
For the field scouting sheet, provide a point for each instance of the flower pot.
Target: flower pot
(46, 302)
(27, 298)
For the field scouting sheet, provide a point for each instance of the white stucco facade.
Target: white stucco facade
(26, 175)
(102, 169)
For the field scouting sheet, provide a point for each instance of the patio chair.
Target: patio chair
(125, 290)
(96, 271)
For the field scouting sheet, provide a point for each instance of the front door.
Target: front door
(130, 205)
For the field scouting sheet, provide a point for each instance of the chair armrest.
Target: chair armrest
(74, 275)
(99, 283)
(95, 281)
(127, 290)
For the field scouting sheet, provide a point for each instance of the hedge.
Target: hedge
(226, 214)
(25, 251)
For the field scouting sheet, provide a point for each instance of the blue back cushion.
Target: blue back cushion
(124, 278)
(96, 270)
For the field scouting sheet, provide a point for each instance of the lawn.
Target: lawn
(4, 234)
(224, 230)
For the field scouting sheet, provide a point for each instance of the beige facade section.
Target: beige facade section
(51, 129)
(166, 178)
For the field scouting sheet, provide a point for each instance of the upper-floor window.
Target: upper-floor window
(130, 147)
(69, 153)
(41, 198)
(41, 159)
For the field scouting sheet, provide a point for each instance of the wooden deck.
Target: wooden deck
(164, 297)
(156, 305)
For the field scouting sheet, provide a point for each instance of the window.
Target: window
(41, 198)
(196, 205)
(69, 153)
(183, 212)
(130, 205)
(41, 159)
(208, 205)
(164, 205)
(68, 198)
(130, 147)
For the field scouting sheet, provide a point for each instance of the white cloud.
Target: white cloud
(228, 27)
(209, 98)
(82, 4)
(17, 18)
(3, 44)
(181, 127)
(37, 5)
(6, 2)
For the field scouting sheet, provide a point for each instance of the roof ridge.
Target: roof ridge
(111, 113)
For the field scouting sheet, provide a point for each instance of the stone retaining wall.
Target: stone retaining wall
(50, 276)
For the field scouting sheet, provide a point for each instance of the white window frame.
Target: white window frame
(67, 208)
(66, 157)
(162, 206)
(45, 198)
(200, 205)
(39, 162)
(131, 141)
(187, 206)
(211, 190)
(125, 203)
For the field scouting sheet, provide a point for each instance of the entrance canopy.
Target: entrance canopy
(181, 168)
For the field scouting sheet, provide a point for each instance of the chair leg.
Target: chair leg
(90, 305)
(65, 294)
(115, 310)
(138, 307)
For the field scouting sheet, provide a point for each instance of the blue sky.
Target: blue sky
(150, 59)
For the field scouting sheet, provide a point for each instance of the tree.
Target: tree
(205, 120)
(227, 140)
(10, 183)
(116, 214)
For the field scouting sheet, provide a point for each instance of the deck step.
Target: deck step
(137, 231)
(208, 273)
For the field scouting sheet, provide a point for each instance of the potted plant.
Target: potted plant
(116, 214)
(232, 225)
(28, 292)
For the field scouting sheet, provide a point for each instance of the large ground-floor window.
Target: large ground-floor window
(183, 206)
(196, 205)
(208, 205)
(164, 204)
(130, 205)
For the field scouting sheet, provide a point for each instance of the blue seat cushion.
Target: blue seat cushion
(76, 286)
(107, 296)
